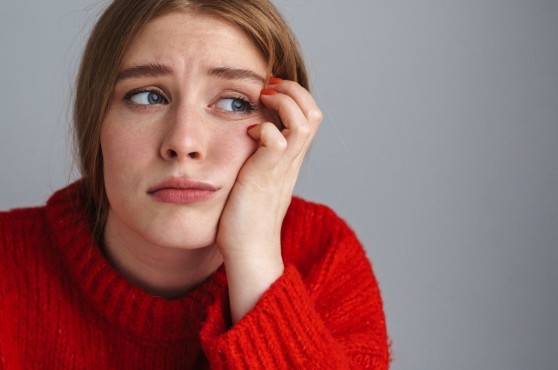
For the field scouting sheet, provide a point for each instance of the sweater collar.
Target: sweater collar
(120, 302)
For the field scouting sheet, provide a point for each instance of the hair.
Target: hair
(109, 41)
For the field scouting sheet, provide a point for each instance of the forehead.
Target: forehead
(186, 37)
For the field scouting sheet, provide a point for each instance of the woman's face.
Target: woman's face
(175, 135)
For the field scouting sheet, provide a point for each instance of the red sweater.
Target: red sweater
(63, 306)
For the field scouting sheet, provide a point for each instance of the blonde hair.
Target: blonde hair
(111, 37)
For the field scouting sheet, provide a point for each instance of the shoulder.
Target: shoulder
(303, 214)
(22, 233)
(21, 227)
(21, 222)
(310, 220)
(313, 232)
(36, 227)
(37, 222)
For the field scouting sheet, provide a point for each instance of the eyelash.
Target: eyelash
(250, 106)
(128, 97)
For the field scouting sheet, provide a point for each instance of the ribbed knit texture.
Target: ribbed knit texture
(63, 306)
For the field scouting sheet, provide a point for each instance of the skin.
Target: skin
(183, 121)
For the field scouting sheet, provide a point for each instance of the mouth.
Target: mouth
(182, 191)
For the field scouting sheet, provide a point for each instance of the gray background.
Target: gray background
(439, 147)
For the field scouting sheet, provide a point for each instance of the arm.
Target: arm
(331, 318)
(249, 230)
(279, 320)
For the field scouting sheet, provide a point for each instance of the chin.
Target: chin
(192, 239)
(168, 226)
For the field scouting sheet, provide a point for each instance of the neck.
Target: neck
(161, 271)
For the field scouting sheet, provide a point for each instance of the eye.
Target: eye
(235, 105)
(146, 98)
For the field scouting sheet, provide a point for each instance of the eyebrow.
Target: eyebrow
(227, 73)
(155, 69)
(148, 70)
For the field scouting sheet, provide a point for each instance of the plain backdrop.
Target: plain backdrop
(439, 147)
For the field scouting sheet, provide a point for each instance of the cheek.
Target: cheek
(123, 152)
(234, 148)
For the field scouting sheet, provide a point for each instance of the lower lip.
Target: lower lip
(182, 196)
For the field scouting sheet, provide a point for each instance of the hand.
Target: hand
(249, 234)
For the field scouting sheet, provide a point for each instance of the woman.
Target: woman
(182, 246)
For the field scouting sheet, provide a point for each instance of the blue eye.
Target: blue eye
(146, 98)
(235, 105)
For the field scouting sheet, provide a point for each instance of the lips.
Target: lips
(182, 191)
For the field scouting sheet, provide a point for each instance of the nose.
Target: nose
(185, 136)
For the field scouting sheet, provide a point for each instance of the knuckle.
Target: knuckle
(273, 137)
(315, 115)
(280, 143)
(303, 130)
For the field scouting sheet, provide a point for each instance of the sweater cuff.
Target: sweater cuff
(283, 330)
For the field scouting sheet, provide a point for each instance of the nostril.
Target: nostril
(171, 153)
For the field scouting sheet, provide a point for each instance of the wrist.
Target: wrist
(248, 280)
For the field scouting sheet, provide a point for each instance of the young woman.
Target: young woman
(182, 246)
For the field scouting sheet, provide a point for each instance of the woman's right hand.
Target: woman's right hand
(249, 234)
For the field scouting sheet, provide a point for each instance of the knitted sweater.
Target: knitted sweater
(63, 306)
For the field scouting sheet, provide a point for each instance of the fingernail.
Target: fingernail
(268, 92)
(251, 126)
(275, 80)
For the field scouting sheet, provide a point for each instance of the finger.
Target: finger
(298, 131)
(301, 96)
(305, 102)
(272, 145)
(270, 161)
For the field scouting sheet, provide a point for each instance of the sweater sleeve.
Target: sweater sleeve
(333, 319)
